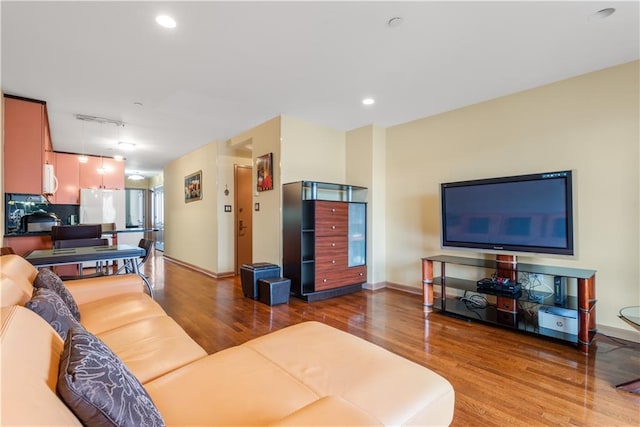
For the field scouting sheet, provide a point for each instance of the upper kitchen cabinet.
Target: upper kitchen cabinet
(24, 145)
(113, 176)
(102, 172)
(67, 169)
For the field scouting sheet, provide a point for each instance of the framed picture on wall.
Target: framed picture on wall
(193, 187)
(264, 167)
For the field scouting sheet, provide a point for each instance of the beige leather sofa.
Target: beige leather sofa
(307, 374)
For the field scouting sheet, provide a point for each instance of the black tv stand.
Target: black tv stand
(518, 312)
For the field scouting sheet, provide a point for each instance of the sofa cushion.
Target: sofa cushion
(50, 280)
(113, 312)
(152, 347)
(368, 380)
(99, 388)
(48, 304)
(233, 387)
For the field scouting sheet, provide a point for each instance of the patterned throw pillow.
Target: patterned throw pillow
(48, 304)
(99, 388)
(48, 279)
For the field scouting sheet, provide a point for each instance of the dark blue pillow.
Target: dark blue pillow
(48, 305)
(99, 389)
(50, 280)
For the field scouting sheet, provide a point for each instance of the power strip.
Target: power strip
(538, 298)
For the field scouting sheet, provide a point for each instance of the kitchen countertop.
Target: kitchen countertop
(30, 234)
(48, 233)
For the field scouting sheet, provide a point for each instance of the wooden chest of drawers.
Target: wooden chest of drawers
(324, 245)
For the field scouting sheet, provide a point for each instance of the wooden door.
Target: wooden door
(243, 215)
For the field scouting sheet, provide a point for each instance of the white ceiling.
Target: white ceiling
(229, 66)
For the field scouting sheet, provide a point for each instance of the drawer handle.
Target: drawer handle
(333, 261)
(333, 245)
(324, 280)
(333, 209)
(333, 227)
(362, 274)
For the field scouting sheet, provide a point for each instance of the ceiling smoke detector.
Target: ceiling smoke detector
(396, 21)
(603, 13)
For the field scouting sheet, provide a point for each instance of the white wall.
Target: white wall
(311, 152)
(191, 234)
(366, 166)
(589, 124)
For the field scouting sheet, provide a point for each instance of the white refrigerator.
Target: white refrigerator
(99, 206)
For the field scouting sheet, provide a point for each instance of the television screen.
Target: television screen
(527, 213)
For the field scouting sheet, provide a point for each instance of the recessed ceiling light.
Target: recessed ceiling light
(127, 146)
(368, 101)
(135, 177)
(396, 21)
(166, 21)
(603, 13)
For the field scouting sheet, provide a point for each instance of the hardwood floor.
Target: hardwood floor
(500, 377)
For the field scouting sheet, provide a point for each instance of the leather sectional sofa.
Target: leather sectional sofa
(306, 374)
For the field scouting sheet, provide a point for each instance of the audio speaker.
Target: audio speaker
(559, 290)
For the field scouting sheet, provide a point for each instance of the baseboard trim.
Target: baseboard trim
(623, 334)
(391, 285)
(404, 288)
(199, 269)
(374, 286)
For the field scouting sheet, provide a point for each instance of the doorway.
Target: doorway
(157, 206)
(243, 215)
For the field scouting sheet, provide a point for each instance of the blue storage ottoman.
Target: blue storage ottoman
(251, 273)
(274, 290)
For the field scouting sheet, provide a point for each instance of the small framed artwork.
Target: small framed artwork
(264, 167)
(193, 187)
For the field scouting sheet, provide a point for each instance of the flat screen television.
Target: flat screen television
(526, 213)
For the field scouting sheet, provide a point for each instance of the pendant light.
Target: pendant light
(83, 158)
(101, 170)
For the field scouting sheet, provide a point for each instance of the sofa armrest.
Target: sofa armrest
(95, 288)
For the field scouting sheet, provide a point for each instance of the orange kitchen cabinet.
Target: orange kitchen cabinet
(89, 176)
(112, 178)
(67, 169)
(47, 142)
(23, 145)
(22, 245)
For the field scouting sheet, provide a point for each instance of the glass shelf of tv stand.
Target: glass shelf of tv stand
(524, 319)
(549, 270)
